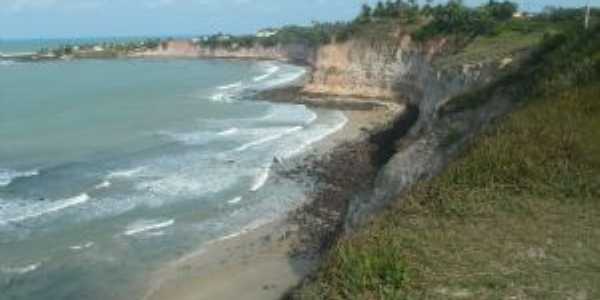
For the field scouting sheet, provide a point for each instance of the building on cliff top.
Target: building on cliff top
(264, 33)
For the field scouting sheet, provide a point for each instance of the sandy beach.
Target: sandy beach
(267, 261)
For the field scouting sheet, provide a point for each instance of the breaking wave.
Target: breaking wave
(229, 131)
(7, 176)
(147, 225)
(82, 246)
(18, 213)
(270, 70)
(268, 138)
(125, 173)
(21, 270)
(261, 179)
(235, 200)
(230, 86)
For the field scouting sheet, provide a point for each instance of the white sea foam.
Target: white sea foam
(82, 246)
(105, 184)
(268, 138)
(178, 185)
(250, 227)
(21, 270)
(284, 79)
(261, 178)
(125, 173)
(222, 97)
(7, 176)
(229, 131)
(289, 113)
(231, 86)
(185, 178)
(190, 138)
(272, 69)
(313, 139)
(235, 200)
(313, 117)
(19, 214)
(147, 225)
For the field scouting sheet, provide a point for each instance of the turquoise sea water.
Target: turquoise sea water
(109, 168)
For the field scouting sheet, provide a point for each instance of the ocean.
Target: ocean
(110, 168)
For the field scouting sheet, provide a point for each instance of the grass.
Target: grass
(561, 60)
(490, 48)
(516, 217)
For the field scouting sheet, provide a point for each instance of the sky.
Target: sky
(111, 18)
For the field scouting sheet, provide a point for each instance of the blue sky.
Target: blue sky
(94, 18)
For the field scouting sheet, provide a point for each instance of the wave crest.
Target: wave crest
(147, 225)
(18, 213)
(8, 176)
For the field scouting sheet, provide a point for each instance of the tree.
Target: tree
(412, 11)
(379, 11)
(365, 14)
(68, 50)
(391, 9)
(587, 16)
(428, 8)
(501, 11)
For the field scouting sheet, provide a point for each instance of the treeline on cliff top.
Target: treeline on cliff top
(382, 23)
(385, 19)
(105, 49)
(514, 217)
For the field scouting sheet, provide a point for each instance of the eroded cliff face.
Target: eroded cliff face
(426, 149)
(357, 69)
(404, 71)
(398, 70)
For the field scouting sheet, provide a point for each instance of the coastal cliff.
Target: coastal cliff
(398, 70)
(186, 49)
(405, 71)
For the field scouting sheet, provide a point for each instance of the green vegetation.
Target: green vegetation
(456, 18)
(563, 59)
(103, 50)
(515, 217)
(317, 34)
(380, 23)
(475, 33)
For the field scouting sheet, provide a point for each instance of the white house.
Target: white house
(520, 15)
(224, 37)
(266, 33)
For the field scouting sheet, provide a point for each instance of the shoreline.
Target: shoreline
(267, 261)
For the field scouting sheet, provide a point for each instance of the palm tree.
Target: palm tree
(587, 15)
